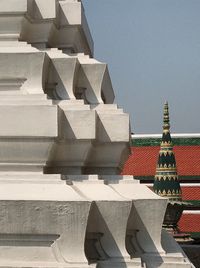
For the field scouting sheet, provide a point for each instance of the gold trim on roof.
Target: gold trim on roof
(166, 169)
(166, 177)
(166, 151)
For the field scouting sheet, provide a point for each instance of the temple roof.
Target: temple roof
(190, 223)
(142, 161)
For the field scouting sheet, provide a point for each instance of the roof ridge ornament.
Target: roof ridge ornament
(167, 162)
(166, 183)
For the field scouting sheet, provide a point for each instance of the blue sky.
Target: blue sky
(152, 48)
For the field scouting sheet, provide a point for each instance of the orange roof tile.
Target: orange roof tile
(189, 223)
(190, 193)
(142, 161)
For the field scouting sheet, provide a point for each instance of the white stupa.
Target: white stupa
(62, 145)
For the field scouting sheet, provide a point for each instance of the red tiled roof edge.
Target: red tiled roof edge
(142, 161)
(189, 223)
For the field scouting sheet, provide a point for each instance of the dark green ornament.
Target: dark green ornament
(166, 183)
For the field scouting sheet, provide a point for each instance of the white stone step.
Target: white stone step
(30, 178)
(170, 260)
(169, 265)
(44, 265)
(136, 263)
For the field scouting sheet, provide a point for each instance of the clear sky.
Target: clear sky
(152, 48)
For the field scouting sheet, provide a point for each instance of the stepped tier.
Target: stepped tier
(43, 24)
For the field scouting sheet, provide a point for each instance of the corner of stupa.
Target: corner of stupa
(63, 142)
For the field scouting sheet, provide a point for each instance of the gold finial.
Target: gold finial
(166, 125)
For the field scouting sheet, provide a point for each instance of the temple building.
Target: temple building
(156, 167)
(142, 164)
